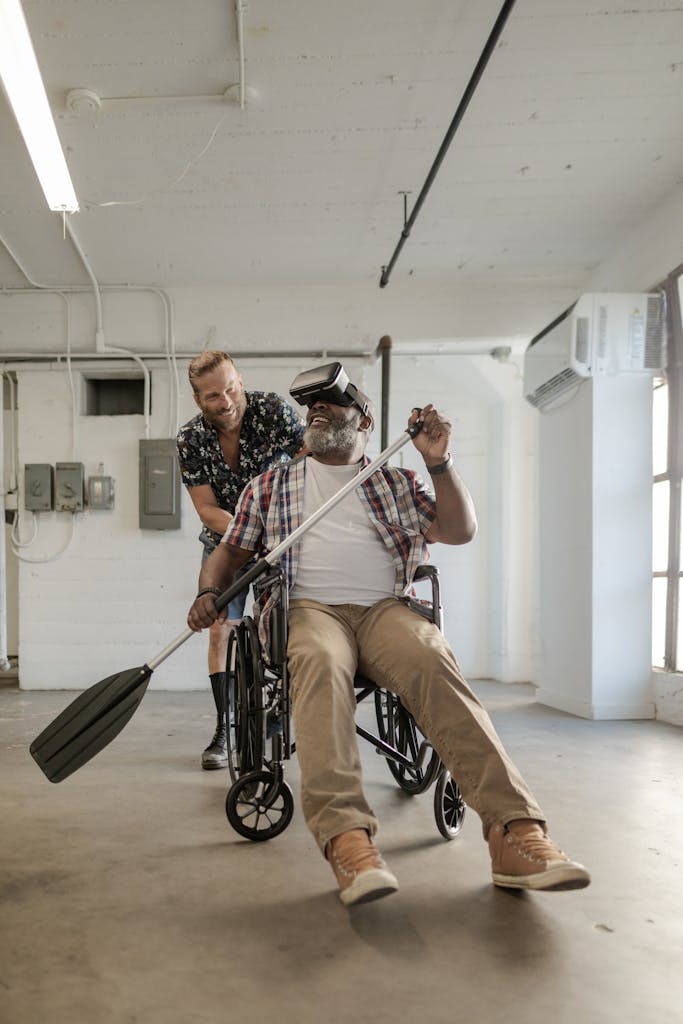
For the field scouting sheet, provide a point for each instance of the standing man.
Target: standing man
(236, 435)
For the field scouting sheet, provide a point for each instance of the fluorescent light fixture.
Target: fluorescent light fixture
(26, 93)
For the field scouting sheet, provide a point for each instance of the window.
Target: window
(112, 395)
(667, 463)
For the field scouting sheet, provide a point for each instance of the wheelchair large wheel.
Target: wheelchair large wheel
(245, 695)
(449, 806)
(259, 806)
(397, 727)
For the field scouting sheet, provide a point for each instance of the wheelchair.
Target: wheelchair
(259, 803)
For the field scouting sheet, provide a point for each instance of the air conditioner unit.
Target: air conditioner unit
(606, 333)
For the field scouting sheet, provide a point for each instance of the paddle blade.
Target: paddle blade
(89, 723)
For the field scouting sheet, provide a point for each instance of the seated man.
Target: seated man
(346, 577)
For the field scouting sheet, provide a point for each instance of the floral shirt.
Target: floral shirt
(270, 434)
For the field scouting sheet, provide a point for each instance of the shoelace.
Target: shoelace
(352, 861)
(536, 846)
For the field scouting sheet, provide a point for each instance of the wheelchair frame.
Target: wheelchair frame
(259, 804)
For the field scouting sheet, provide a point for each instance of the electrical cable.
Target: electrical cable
(48, 558)
(167, 188)
(14, 537)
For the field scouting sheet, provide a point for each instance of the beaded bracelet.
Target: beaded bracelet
(442, 467)
(209, 590)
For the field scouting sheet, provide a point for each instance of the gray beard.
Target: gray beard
(337, 437)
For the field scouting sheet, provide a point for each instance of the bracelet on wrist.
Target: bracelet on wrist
(441, 467)
(209, 590)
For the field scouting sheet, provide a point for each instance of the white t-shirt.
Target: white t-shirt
(342, 558)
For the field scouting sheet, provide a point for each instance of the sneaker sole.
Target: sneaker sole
(556, 879)
(370, 885)
(211, 766)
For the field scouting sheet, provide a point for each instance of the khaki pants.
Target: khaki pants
(402, 652)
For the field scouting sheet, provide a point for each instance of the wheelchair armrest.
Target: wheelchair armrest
(424, 572)
(433, 611)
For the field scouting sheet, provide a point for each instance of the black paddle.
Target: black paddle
(99, 714)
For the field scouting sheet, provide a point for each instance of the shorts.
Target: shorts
(236, 606)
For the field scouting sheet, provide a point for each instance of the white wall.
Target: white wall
(489, 594)
(595, 525)
(491, 585)
(119, 595)
(277, 319)
(644, 256)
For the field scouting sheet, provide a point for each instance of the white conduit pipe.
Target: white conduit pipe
(100, 345)
(4, 659)
(239, 12)
(100, 348)
(12, 427)
(99, 324)
(17, 544)
(145, 374)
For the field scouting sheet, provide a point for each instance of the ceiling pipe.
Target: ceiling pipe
(17, 358)
(462, 107)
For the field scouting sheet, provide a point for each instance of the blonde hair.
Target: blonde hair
(205, 363)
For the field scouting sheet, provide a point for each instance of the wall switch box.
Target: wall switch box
(38, 487)
(159, 485)
(69, 486)
(100, 492)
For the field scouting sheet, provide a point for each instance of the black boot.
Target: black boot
(216, 754)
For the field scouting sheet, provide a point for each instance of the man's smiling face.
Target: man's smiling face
(331, 428)
(221, 398)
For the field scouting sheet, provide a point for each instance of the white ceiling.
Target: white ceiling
(573, 134)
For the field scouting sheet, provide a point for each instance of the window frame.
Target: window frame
(674, 463)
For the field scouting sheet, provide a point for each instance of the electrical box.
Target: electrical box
(69, 486)
(159, 485)
(100, 492)
(38, 487)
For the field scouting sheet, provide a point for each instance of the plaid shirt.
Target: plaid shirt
(270, 433)
(397, 502)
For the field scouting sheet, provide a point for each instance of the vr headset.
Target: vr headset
(328, 383)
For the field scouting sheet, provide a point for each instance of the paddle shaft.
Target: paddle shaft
(263, 564)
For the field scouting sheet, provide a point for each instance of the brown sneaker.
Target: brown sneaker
(523, 857)
(359, 869)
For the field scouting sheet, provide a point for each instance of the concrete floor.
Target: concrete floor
(128, 899)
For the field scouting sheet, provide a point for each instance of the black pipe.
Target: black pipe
(384, 349)
(464, 102)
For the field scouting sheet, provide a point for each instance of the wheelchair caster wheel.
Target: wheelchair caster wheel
(259, 806)
(449, 806)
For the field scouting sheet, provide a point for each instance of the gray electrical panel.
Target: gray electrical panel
(159, 485)
(38, 487)
(69, 486)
